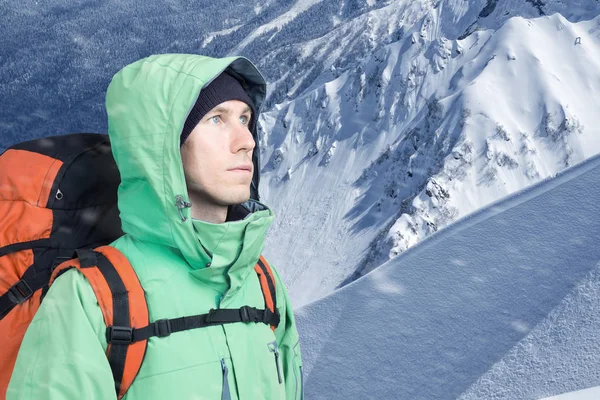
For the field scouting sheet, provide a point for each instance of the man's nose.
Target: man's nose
(243, 138)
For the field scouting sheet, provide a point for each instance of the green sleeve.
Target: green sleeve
(289, 344)
(63, 352)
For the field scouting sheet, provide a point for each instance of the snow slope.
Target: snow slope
(501, 305)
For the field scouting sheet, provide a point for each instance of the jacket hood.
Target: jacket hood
(147, 103)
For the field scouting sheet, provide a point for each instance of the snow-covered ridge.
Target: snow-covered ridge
(501, 305)
(522, 109)
(421, 134)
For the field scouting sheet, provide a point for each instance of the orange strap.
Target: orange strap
(109, 272)
(267, 284)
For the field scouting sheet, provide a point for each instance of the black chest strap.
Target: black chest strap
(164, 327)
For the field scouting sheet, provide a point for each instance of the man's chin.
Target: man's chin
(231, 200)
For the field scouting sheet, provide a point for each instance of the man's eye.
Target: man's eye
(246, 119)
(213, 119)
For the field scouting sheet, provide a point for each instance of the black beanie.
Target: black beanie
(223, 88)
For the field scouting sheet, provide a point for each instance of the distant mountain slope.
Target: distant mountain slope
(515, 284)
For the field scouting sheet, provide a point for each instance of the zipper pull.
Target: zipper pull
(274, 349)
(301, 384)
(277, 364)
(181, 205)
(225, 392)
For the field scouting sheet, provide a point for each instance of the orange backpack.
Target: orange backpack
(58, 210)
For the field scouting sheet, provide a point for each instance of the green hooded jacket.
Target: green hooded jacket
(185, 267)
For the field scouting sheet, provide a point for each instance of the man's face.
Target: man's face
(217, 156)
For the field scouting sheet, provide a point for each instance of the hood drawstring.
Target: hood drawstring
(181, 205)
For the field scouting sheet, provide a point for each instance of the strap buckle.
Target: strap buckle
(276, 318)
(19, 292)
(266, 316)
(211, 314)
(119, 335)
(249, 314)
(244, 314)
(162, 327)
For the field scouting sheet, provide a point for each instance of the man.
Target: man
(183, 133)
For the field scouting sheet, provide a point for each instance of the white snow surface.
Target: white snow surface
(585, 394)
(500, 305)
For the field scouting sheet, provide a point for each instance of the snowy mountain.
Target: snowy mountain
(500, 305)
(371, 159)
(385, 121)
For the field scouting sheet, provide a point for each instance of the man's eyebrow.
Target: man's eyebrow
(227, 111)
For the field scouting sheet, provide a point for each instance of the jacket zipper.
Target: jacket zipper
(274, 349)
(301, 384)
(225, 393)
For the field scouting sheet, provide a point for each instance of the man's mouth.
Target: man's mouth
(241, 168)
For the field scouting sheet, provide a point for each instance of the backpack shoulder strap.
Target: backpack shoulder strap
(123, 304)
(267, 284)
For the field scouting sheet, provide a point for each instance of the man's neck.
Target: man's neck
(206, 211)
